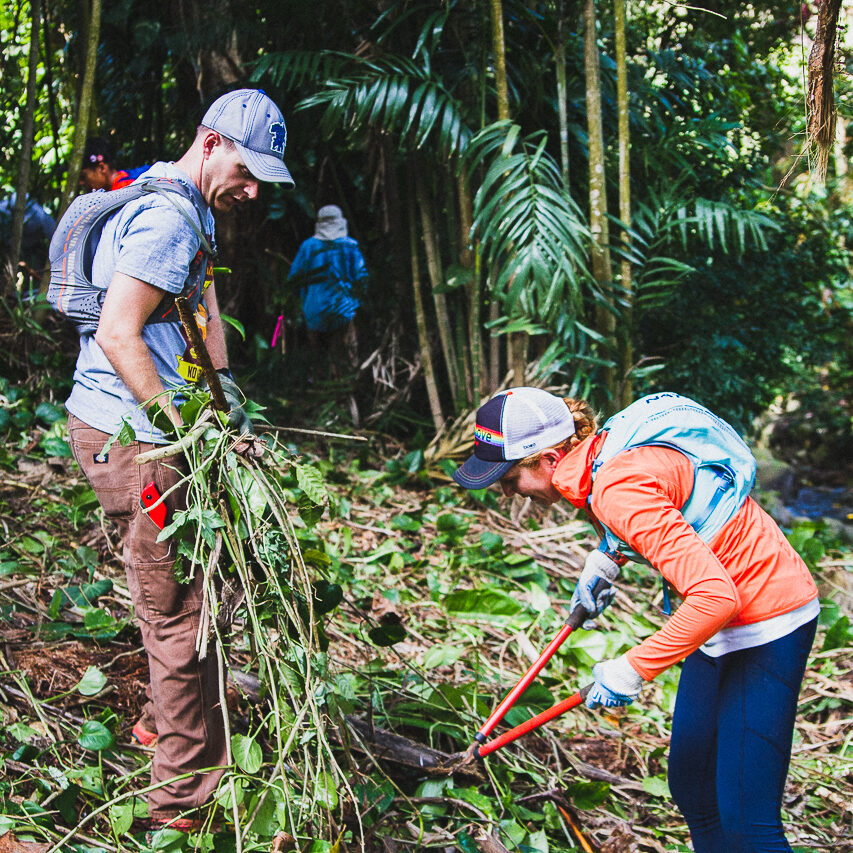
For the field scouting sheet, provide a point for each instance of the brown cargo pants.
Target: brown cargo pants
(184, 692)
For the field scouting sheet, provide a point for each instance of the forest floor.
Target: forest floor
(476, 589)
(447, 598)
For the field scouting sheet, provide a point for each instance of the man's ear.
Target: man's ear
(210, 140)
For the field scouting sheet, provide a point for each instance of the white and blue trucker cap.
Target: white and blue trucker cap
(255, 124)
(514, 424)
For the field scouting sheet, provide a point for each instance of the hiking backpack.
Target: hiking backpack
(724, 466)
(72, 248)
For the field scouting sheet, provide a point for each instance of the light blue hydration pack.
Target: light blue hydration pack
(724, 466)
(72, 248)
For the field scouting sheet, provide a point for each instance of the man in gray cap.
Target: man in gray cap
(149, 252)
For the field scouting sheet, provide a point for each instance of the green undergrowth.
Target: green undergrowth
(377, 593)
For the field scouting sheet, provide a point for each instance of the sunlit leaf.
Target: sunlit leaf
(247, 753)
(92, 682)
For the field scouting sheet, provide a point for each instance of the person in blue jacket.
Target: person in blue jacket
(38, 228)
(330, 272)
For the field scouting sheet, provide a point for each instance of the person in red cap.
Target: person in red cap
(667, 482)
(128, 370)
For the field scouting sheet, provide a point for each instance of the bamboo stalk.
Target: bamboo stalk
(421, 323)
(442, 317)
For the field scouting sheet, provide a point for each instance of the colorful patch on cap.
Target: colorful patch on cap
(490, 436)
(279, 137)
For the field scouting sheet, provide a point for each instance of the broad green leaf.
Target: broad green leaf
(327, 596)
(49, 413)
(588, 795)
(247, 753)
(95, 736)
(452, 521)
(92, 682)
(483, 603)
(96, 619)
(387, 635)
(167, 841)
(264, 821)
(406, 522)
(491, 542)
(325, 791)
(656, 786)
(537, 841)
(441, 655)
(311, 482)
(839, 635)
(53, 446)
(121, 817)
(86, 594)
(432, 788)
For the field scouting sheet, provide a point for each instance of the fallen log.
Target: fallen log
(400, 750)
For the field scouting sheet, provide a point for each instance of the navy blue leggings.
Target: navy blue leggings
(731, 743)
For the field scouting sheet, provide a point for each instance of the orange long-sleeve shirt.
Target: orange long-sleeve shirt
(747, 573)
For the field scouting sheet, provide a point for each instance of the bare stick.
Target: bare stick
(201, 353)
(271, 428)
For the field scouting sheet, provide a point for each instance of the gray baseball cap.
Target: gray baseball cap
(255, 124)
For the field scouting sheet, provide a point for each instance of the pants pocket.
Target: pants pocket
(113, 476)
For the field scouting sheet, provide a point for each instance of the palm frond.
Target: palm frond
(533, 235)
(702, 224)
(394, 94)
(292, 69)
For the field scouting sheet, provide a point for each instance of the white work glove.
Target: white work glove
(616, 683)
(593, 590)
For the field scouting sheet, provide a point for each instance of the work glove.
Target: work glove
(593, 590)
(616, 683)
(238, 420)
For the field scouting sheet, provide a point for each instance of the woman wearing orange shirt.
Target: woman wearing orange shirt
(744, 629)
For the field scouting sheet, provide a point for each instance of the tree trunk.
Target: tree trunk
(601, 269)
(469, 258)
(562, 91)
(626, 349)
(517, 343)
(84, 106)
(421, 323)
(445, 333)
(821, 97)
(47, 61)
(27, 139)
(394, 224)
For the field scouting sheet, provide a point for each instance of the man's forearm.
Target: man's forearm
(128, 304)
(131, 360)
(215, 340)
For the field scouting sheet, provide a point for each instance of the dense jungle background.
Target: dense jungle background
(605, 199)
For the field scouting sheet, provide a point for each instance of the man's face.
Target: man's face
(229, 181)
(532, 483)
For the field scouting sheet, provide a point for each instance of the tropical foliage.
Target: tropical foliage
(458, 137)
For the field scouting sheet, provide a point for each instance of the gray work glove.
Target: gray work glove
(238, 420)
(593, 590)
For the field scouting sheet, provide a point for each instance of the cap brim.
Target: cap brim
(265, 167)
(478, 473)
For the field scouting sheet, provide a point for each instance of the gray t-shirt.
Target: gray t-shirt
(150, 240)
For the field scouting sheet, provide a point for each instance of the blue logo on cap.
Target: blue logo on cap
(279, 137)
